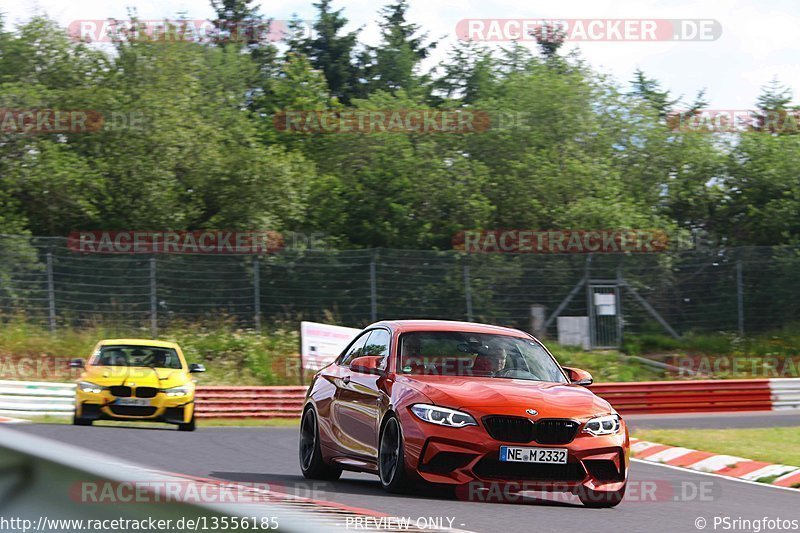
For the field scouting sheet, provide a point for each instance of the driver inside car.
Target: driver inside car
(494, 360)
(158, 359)
(114, 357)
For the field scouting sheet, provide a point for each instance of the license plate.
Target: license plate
(136, 402)
(533, 455)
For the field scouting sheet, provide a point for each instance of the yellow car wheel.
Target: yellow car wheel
(78, 421)
(189, 426)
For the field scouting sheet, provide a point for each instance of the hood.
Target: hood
(508, 396)
(162, 378)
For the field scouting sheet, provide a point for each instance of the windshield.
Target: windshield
(455, 353)
(137, 356)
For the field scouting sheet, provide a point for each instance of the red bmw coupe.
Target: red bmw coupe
(459, 404)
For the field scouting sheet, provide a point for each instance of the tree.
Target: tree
(469, 73)
(762, 202)
(394, 64)
(550, 38)
(330, 51)
(515, 58)
(179, 148)
(650, 91)
(238, 22)
(400, 190)
(774, 112)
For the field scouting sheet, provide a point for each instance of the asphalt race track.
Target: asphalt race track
(659, 498)
(759, 419)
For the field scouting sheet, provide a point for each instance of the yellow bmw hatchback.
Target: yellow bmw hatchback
(136, 379)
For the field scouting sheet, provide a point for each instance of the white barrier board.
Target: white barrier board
(322, 343)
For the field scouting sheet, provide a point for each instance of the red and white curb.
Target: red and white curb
(723, 465)
(6, 420)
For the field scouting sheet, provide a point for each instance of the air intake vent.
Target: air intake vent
(556, 431)
(509, 428)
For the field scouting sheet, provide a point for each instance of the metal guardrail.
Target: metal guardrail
(687, 396)
(785, 393)
(40, 481)
(30, 399)
(36, 398)
(249, 402)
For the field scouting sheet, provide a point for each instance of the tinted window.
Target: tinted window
(378, 345)
(355, 350)
(456, 353)
(137, 356)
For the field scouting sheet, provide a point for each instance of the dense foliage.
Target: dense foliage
(189, 141)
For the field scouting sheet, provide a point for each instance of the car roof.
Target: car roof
(138, 342)
(403, 326)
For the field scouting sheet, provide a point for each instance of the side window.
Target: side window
(378, 345)
(355, 350)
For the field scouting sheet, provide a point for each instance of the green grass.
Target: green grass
(783, 342)
(232, 356)
(773, 445)
(774, 354)
(605, 366)
(236, 356)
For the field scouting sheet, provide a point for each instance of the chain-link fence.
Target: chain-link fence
(735, 289)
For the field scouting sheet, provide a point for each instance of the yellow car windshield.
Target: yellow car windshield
(137, 356)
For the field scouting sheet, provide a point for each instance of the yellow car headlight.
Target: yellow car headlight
(86, 386)
(182, 390)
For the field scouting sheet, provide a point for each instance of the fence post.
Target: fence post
(51, 293)
(153, 300)
(257, 294)
(467, 288)
(589, 303)
(740, 296)
(373, 288)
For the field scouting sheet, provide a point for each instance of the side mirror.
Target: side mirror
(578, 376)
(194, 368)
(368, 364)
(76, 363)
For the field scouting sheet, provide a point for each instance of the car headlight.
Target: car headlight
(181, 390)
(602, 425)
(442, 416)
(85, 386)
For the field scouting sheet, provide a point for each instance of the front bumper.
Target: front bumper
(469, 455)
(162, 408)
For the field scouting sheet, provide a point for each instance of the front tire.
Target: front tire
(312, 464)
(78, 421)
(391, 458)
(188, 426)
